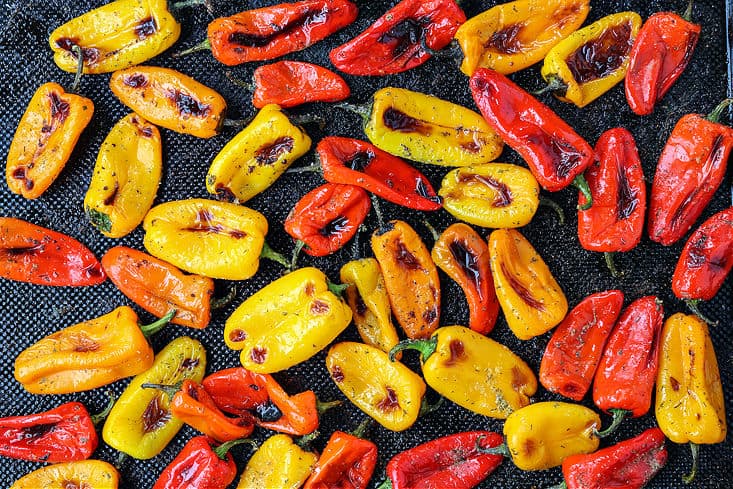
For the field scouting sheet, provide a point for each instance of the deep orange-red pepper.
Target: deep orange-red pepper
(291, 83)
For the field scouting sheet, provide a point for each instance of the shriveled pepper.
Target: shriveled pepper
(31, 253)
(494, 195)
(532, 300)
(170, 99)
(280, 463)
(286, 322)
(292, 83)
(83, 473)
(257, 156)
(515, 35)
(388, 392)
(235, 391)
(353, 162)
(690, 169)
(474, 371)
(401, 39)
(140, 424)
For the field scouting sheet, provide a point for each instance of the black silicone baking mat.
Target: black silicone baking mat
(29, 312)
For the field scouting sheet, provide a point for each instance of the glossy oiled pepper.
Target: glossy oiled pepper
(170, 99)
(463, 255)
(45, 137)
(125, 178)
(235, 391)
(140, 424)
(574, 351)
(354, 162)
(387, 391)
(116, 35)
(257, 156)
(410, 277)
(30, 253)
(401, 39)
(494, 195)
(474, 371)
(286, 322)
(327, 217)
(280, 463)
(512, 36)
(532, 300)
(213, 239)
(94, 474)
(591, 61)
(690, 169)
(291, 83)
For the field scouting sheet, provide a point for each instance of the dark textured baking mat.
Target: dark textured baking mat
(29, 312)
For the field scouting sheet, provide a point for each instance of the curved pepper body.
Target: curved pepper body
(532, 300)
(116, 35)
(299, 412)
(292, 83)
(94, 474)
(235, 390)
(494, 195)
(347, 462)
(278, 463)
(257, 156)
(46, 135)
(197, 465)
(170, 99)
(126, 177)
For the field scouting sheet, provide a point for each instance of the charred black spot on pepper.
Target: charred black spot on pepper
(361, 307)
(521, 290)
(390, 402)
(60, 108)
(237, 335)
(268, 412)
(625, 196)
(601, 56)
(421, 189)
(337, 374)
(430, 315)
(457, 352)
(405, 258)
(468, 261)
(90, 55)
(111, 199)
(189, 364)
(258, 40)
(146, 28)
(506, 40)
(188, 105)
(401, 122)
(138, 80)
(258, 355)
(155, 415)
(26, 250)
(37, 431)
(405, 35)
(270, 153)
(503, 197)
(360, 161)
(336, 227)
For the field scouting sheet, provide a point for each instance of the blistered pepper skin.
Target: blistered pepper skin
(292, 83)
(93, 474)
(277, 463)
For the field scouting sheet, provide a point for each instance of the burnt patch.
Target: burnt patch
(258, 355)
(146, 28)
(456, 352)
(506, 40)
(405, 258)
(188, 106)
(390, 402)
(336, 227)
(468, 261)
(519, 288)
(399, 121)
(259, 40)
(270, 153)
(155, 415)
(138, 80)
(601, 56)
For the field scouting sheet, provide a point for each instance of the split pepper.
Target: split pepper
(280, 463)
(292, 83)
(82, 473)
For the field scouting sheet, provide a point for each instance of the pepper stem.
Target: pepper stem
(99, 417)
(296, 253)
(152, 328)
(222, 450)
(554, 84)
(76, 49)
(250, 87)
(273, 255)
(582, 185)
(432, 230)
(189, 3)
(608, 255)
(547, 202)
(425, 347)
(618, 416)
(364, 110)
(693, 304)
(714, 116)
(427, 408)
(171, 390)
(304, 169)
(377, 211)
(688, 11)
(306, 440)
(302, 119)
(502, 449)
(561, 485)
(386, 484)
(322, 407)
(222, 302)
(360, 431)
(695, 449)
(122, 457)
(337, 289)
(238, 123)
(204, 45)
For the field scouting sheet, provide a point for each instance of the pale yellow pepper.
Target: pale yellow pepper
(86, 474)
(279, 463)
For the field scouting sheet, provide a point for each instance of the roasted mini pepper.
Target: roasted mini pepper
(94, 474)
(690, 169)
(280, 463)
(689, 404)
(410, 277)
(532, 300)
(292, 83)
(401, 39)
(235, 391)
(474, 371)
(388, 392)
(116, 35)
(494, 195)
(515, 35)
(257, 156)
(170, 99)
(34, 254)
(140, 424)
(591, 61)
(427, 129)
(286, 322)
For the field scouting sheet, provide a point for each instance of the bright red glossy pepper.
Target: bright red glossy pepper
(235, 391)
(355, 162)
(291, 83)
(690, 169)
(576, 346)
(401, 39)
(327, 217)
(30, 253)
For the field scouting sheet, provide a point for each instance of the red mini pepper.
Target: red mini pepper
(291, 83)
(30, 253)
(235, 391)
(401, 39)
(690, 170)
(576, 346)
(354, 162)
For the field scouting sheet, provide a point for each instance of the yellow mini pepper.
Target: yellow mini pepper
(125, 178)
(116, 35)
(85, 474)
(278, 463)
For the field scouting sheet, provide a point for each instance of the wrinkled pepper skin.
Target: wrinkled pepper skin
(494, 195)
(463, 255)
(257, 156)
(574, 351)
(394, 42)
(347, 462)
(209, 238)
(278, 463)
(274, 31)
(706, 259)
(34, 254)
(615, 222)
(515, 35)
(689, 404)
(46, 135)
(555, 153)
(86, 355)
(235, 390)
(410, 277)
(388, 392)
(93, 474)
(126, 177)
(293, 83)
(540, 436)
(140, 423)
(430, 130)
(198, 466)
(532, 300)
(299, 412)
(170, 99)
(286, 322)
(114, 36)
(629, 464)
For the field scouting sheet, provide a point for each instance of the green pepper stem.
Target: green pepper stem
(296, 253)
(554, 84)
(695, 449)
(204, 45)
(425, 347)
(237, 123)
(222, 450)
(337, 289)
(687, 15)
(188, 3)
(305, 440)
(502, 449)
(427, 408)
(302, 119)
(386, 484)
(304, 169)
(364, 110)
(432, 230)
(561, 485)
(322, 407)
(452, 50)
(99, 417)
(693, 304)
(122, 457)
(608, 255)
(360, 431)
(152, 328)
(250, 87)
(618, 416)
(273, 255)
(547, 202)
(76, 49)
(170, 390)
(714, 116)
(222, 302)
(582, 184)
(377, 211)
